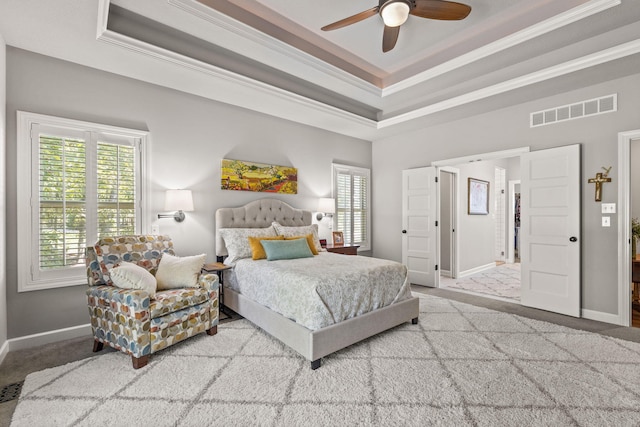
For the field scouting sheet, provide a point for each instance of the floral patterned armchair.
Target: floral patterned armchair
(128, 319)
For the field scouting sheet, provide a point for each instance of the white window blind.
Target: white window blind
(85, 182)
(62, 201)
(351, 191)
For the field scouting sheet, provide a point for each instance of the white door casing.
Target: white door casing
(419, 231)
(624, 225)
(550, 229)
(511, 247)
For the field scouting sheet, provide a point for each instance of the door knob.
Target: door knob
(573, 239)
(404, 231)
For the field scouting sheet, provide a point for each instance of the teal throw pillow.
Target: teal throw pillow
(286, 249)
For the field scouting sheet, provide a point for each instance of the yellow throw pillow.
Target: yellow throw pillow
(309, 238)
(257, 251)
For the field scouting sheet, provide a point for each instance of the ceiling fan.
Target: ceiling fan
(394, 13)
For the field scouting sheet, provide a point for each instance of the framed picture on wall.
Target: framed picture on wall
(338, 238)
(478, 197)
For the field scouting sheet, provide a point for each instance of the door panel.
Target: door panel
(550, 217)
(419, 236)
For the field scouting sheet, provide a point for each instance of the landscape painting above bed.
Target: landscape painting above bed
(249, 176)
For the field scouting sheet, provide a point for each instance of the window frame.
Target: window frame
(337, 168)
(30, 277)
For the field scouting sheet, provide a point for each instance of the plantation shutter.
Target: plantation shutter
(360, 208)
(344, 205)
(77, 181)
(85, 185)
(62, 201)
(351, 191)
(116, 189)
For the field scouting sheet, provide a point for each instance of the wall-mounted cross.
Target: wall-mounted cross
(598, 181)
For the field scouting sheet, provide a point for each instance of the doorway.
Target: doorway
(550, 215)
(493, 274)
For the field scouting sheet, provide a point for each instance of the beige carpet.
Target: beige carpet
(461, 365)
(502, 281)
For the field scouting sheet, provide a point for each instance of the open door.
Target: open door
(419, 230)
(550, 230)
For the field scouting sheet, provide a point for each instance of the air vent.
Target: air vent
(591, 107)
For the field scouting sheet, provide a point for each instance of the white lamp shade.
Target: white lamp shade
(178, 200)
(327, 205)
(395, 13)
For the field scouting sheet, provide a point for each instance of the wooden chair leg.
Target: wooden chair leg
(212, 330)
(97, 346)
(139, 362)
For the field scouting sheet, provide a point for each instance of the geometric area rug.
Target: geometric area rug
(460, 365)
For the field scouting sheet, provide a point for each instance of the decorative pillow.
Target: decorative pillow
(299, 231)
(309, 238)
(286, 249)
(179, 272)
(131, 276)
(237, 241)
(257, 251)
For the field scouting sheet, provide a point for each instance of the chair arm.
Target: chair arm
(133, 303)
(209, 281)
(120, 318)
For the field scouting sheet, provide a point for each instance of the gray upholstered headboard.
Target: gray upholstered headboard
(258, 214)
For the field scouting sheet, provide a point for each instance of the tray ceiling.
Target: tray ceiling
(271, 56)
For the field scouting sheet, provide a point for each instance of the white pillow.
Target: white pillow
(179, 272)
(131, 276)
(302, 230)
(237, 241)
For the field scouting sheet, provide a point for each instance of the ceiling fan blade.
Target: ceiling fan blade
(440, 9)
(389, 38)
(352, 19)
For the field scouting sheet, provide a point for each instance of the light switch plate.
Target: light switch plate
(606, 221)
(609, 208)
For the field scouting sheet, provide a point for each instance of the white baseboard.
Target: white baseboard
(475, 270)
(445, 273)
(602, 317)
(49, 337)
(4, 350)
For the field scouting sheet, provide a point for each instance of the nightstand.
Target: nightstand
(344, 249)
(218, 268)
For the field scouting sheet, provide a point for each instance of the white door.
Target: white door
(550, 229)
(419, 231)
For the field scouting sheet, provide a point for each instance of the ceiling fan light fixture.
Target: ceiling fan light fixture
(395, 12)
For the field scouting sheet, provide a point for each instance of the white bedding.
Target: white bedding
(323, 290)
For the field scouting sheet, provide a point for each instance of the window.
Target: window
(77, 182)
(351, 191)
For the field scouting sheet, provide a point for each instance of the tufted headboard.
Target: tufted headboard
(258, 214)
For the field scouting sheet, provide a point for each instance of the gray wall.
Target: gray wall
(189, 137)
(3, 196)
(476, 233)
(506, 129)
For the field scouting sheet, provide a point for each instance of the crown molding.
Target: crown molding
(235, 89)
(268, 43)
(242, 91)
(601, 57)
(551, 24)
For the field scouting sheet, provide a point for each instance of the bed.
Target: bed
(317, 331)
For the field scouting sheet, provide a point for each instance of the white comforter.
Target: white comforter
(323, 290)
